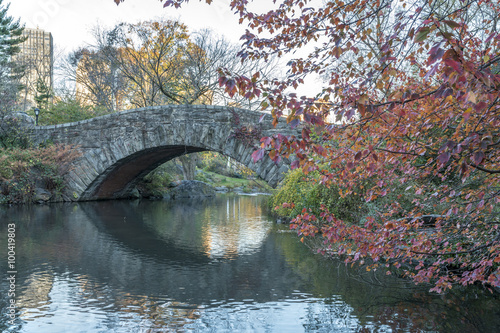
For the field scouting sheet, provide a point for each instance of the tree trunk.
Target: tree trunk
(188, 163)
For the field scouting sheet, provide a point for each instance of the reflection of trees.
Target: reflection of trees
(386, 302)
(153, 313)
(128, 225)
(145, 262)
(235, 230)
(115, 258)
(219, 227)
(35, 293)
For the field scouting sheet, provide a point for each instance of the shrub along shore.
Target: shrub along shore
(331, 223)
(36, 175)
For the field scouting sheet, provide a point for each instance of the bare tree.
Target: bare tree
(98, 79)
(167, 65)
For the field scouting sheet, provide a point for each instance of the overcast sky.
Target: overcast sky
(70, 21)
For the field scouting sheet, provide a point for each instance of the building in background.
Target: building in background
(37, 56)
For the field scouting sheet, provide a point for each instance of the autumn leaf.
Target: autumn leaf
(452, 24)
(444, 157)
(294, 123)
(415, 106)
(337, 52)
(422, 34)
(478, 157)
(257, 155)
(357, 157)
(363, 99)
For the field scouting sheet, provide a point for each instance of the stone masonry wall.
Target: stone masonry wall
(118, 149)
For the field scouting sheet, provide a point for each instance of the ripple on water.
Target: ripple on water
(203, 268)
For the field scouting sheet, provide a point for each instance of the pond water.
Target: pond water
(215, 265)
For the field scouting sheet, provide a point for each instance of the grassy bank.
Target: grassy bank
(31, 175)
(247, 185)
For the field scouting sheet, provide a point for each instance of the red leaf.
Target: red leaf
(454, 64)
(230, 84)
(489, 38)
(478, 157)
(222, 81)
(444, 157)
(294, 123)
(337, 51)
(435, 54)
(480, 106)
(450, 53)
(257, 155)
(272, 155)
(357, 157)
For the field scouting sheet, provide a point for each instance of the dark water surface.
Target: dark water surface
(217, 265)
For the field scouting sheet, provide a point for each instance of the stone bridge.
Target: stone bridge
(119, 149)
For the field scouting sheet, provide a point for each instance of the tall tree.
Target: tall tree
(43, 94)
(151, 57)
(165, 64)
(415, 88)
(10, 74)
(98, 78)
(154, 56)
(11, 32)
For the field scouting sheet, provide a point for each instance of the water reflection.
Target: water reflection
(217, 265)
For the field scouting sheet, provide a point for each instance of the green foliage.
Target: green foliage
(11, 34)
(10, 37)
(218, 163)
(66, 111)
(202, 177)
(13, 134)
(217, 180)
(157, 181)
(299, 192)
(213, 162)
(294, 189)
(305, 192)
(43, 94)
(214, 171)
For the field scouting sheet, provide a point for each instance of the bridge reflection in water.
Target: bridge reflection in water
(214, 265)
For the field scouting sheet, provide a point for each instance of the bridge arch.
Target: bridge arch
(119, 149)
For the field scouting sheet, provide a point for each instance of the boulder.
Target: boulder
(175, 183)
(135, 194)
(19, 119)
(41, 195)
(238, 189)
(223, 189)
(192, 189)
